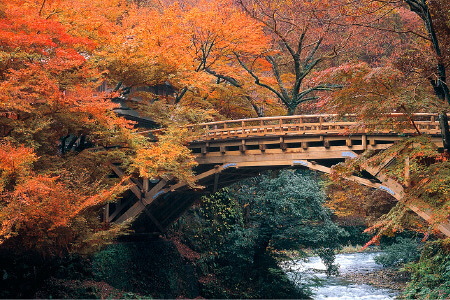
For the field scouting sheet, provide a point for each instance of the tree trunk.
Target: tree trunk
(443, 121)
(291, 111)
(260, 248)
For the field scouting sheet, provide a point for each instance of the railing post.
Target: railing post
(348, 142)
(106, 213)
(145, 184)
(242, 147)
(443, 121)
(364, 141)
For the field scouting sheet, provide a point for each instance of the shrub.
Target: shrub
(431, 274)
(402, 252)
(328, 257)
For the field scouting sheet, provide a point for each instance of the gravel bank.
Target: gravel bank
(385, 278)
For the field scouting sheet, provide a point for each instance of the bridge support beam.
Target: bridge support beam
(139, 206)
(421, 208)
(262, 158)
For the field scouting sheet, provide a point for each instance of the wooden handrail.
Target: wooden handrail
(302, 124)
(302, 117)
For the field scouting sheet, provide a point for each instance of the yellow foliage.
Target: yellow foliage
(167, 159)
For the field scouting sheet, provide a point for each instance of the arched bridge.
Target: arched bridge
(228, 151)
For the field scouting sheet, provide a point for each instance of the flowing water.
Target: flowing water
(336, 287)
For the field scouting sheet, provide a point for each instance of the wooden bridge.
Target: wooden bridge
(229, 151)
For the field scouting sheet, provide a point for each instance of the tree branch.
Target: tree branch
(276, 73)
(258, 82)
(181, 94)
(229, 79)
(325, 87)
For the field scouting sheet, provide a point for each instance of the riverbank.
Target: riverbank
(388, 278)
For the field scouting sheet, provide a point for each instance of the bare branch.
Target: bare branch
(229, 79)
(276, 73)
(258, 82)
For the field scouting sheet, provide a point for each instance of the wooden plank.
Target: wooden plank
(145, 184)
(118, 209)
(131, 213)
(396, 187)
(298, 147)
(149, 196)
(139, 206)
(425, 212)
(374, 170)
(216, 182)
(407, 172)
(273, 155)
(133, 186)
(201, 176)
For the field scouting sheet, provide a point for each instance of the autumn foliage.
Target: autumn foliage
(52, 185)
(221, 59)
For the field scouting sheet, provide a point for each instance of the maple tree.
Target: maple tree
(221, 59)
(399, 82)
(303, 39)
(372, 94)
(363, 205)
(189, 46)
(436, 18)
(421, 58)
(427, 186)
(436, 21)
(52, 185)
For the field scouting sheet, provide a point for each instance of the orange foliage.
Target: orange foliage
(191, 47)
(350, 199)
(50, 196)
(55, 53)
(15, 160)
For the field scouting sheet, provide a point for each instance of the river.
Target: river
(337, 287)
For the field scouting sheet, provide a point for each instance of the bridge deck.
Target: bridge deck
(228, 151)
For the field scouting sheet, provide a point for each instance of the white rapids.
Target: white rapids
(304, 272)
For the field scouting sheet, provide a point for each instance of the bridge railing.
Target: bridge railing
(313, 124)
